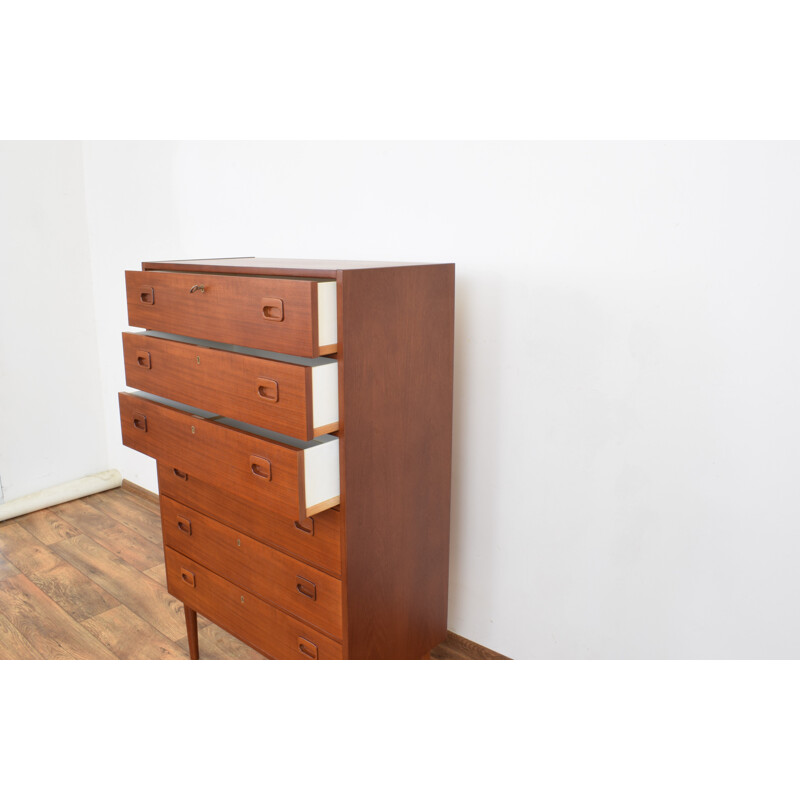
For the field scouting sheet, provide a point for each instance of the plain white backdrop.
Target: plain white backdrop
(625, 440)
(51, 404)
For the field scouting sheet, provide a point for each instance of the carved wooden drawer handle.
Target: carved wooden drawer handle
(143, 359)
(140, 422)
(147, 295)
(272, 308)
(268, 389)
(306, 587)
(178, 474)
(261, 467)
(308, 649)
(187, 577)
(185, 525)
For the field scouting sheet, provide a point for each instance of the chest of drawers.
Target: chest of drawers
(300, 413)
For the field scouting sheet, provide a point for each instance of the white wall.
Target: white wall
(131, 199)
(51, 410)
(626, 429)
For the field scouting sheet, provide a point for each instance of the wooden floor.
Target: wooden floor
(85, 580)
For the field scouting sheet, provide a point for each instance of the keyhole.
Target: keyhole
(198, 359)
(192, 428)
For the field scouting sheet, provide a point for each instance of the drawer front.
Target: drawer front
(278, 314)
(248, 465)
(276, 577)
(241, 613)
(271, 394)
(316, 540)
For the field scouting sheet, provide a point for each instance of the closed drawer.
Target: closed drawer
(289, 315)
(293, 478)
(316, 540)
(297, 399)
(276, 577)
(241, 613)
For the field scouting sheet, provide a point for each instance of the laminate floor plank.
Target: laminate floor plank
(158, 573)
(217, 644)
(128, 636)
(132, 588)
(71, 589)
(79, 596)
(46, 526)
(120, 539)
(45, 625)
(123, 507)
(6, 567)
(13, 645)
(25, 551)
(140, 494)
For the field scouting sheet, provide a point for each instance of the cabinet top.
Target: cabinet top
(307, 267)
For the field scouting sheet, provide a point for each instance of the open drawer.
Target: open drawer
(294, 478)
(295, 396)
(287, 315)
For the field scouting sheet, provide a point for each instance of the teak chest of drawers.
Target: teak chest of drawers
(300, 413)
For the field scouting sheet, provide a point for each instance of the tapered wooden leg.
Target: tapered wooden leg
(191, 632)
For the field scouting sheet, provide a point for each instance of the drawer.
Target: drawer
(289, 315)
(316, 540)
(241, 613)
(276, 577)
(292, 478)
(291, 395)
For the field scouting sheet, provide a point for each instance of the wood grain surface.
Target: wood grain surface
(14, 644)
(217, 644)
(225, 383)
(396, 435)
(126, 509)
(129, 637)
(45, 624)
(252, 516)
(262, 626)
(131, 587)
(220, 454)
(6, 568)
(69, 588)
(139, 492)
(264, 571)
(120, 539)
(47, 526)
(229, 309)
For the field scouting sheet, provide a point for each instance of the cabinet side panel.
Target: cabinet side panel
(397, 434)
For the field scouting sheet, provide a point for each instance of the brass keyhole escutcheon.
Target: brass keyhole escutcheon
(238, 542)
(198, 359)
(242, 598)
(192, 428)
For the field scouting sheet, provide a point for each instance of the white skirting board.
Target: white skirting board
(71, 490)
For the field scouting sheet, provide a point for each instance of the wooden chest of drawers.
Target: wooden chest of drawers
(300, 413)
